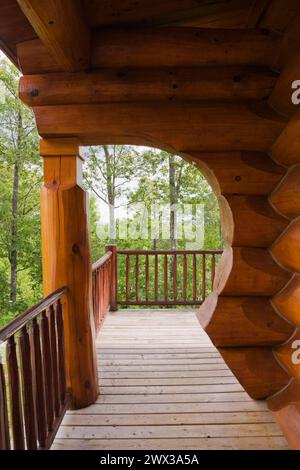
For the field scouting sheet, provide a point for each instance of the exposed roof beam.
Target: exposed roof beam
(182, 126)
(163, 47)
(61, 26)
(235, 83)
(176, 46)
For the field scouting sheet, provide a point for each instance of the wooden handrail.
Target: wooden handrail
(169, 252)
(102, 261)
(104, 285)
(33, 384)
(21, 320)
(174, 286)
(180, 277)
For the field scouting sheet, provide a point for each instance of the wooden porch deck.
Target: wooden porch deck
(164, 386)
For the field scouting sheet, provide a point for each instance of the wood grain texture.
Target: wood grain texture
(206, 127)
(179, 47)
(165, 84)
(62, 28)
(286, 248)
(136, 411)
(287, 301)
(66, 261)
(34, 58)
(253, 321)
(121, 47)
(286, 149)
(286, 197)
(235, 13)
(277, 18)
(256, 369)
(254, 273)
(285, 408)
(255, 212)
(241, 172)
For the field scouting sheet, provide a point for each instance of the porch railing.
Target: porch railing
(104, 285)
(165, 277)
(33, 391)
(151, 277)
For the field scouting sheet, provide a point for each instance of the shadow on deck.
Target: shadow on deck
(163, 385)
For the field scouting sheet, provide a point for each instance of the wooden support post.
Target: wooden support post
(67, 261)
(114, 278)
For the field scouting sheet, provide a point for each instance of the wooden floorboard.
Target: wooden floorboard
(163, 385)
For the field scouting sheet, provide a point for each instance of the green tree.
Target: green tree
(170, 180)
(20, 182)
(108, 170)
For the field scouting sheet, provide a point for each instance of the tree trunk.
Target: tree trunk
(110, 186)
(112, 224)
(173, 202)
(173, 211)
(13, 258)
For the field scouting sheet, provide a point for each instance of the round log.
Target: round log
(286, 197)
(242, 321)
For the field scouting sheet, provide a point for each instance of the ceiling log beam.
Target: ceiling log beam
(183, 126)
(171, 84)
(61, 27)
(178, 47)
(171, 46)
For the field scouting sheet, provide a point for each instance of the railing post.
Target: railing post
(114, 278)
(67, 262)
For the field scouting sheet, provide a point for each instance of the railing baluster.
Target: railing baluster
(53, 342)
(4, 426)
(127, 277)
(194, 277)
(147, 277)
(105, 288)
(193, 288)
(39, 389)
(15, 395)
(48, 369)
(166, 290)
(156, 277)
(184, 274)
(213, 270)
(203, 277)
(94, 290)
(61, 353)
(137, 278)
(98, 287)
(101, 295)
(175, 290)
(28, 397)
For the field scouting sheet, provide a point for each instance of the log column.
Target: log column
(67, 261)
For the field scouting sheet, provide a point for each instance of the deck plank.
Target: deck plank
(164, 386)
